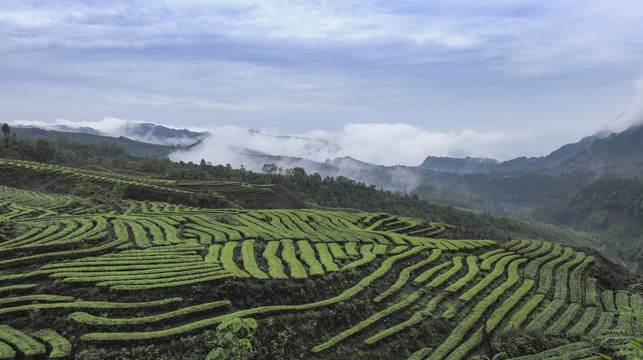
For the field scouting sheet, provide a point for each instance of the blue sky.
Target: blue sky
(493, 78)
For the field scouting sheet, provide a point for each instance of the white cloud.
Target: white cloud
(443, 65)
(633, 113)
(377, 143)
(527, 37)
(114, 127)
(107, 126)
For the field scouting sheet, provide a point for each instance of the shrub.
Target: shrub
(233, 338)
(517, 342)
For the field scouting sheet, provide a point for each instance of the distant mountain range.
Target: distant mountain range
(518, 165)
(617, 154)
(144, 132)
(158, 134)
(136, 148)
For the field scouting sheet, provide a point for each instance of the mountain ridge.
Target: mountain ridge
(134, 147)
(567, 155)
(137, 131)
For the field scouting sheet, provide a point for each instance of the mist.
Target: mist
(387, 144)
(115, 127)
(380, 154)
(110, 126)
(633, 113)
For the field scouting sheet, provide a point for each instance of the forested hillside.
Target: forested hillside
(62, 140)
(610, 207)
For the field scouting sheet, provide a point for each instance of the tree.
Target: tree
(117, 193)
(5, 129)
(269, 169)
(43, 150)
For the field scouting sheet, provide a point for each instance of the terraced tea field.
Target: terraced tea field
(21, 173)
(334, 284)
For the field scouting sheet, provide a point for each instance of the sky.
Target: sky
(382, 81)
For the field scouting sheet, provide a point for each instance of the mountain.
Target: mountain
(525, 194)
(394, 178)
(618, 155)
(467, 165)
(516, 186)
(569, 150)
(144, 132)
(135, 148)
(523, 164)
(518, 165)
(621, 154)
(610, 207)
(159, 134)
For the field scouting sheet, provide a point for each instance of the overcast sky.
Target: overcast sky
(480, 78)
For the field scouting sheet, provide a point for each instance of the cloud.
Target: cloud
(441, 66)
(525, 37)
(108, 126)
(115, 127)
(378, 143)
(633, 113)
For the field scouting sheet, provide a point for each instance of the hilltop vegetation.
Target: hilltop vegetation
(107, 276)
(610, 207)
(135, 148)
(62, 150)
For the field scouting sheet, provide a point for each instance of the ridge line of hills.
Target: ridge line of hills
(582, 155)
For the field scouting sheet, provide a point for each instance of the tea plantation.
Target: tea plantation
(153, 279)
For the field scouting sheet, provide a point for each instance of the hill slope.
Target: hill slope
(31, 175)
(152, 279)
(617, 155)
(139, 131)
(135, 148)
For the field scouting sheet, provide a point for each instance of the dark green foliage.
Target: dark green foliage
(517, 342)
(530, 188)
(612, 208)
(593, 207)
(62, 150)
(108, 146)
(87, 188)
(234, 338)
